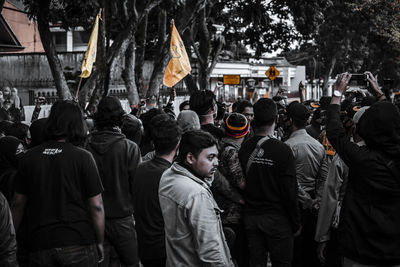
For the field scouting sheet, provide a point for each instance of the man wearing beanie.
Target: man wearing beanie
(311, 172)
(236, 129)
(271, 212)
(117, 159)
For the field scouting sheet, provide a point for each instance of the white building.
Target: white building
(253, 74)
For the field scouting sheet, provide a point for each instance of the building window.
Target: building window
(60, 39)
(80, 40)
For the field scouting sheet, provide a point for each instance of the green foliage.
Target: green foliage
(67, 13)
(362, 35)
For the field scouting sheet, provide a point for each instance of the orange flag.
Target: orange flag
(179, 65)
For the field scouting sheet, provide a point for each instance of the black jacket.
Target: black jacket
(369, 230)
(8, 244)
(117, 158)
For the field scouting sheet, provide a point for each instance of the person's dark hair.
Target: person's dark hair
(4, 115)
(379, 126)
(15, 114)
(165, 133)
(299, 114)
(4, 125)
(221, 111)
(109, 113)
(183, 104)
(325, 101)
(202, 101)
(265, 112)
(242, 105)
(194, 142)
(132, 128)
(36, 129)
(66, 122)
(18, 130)
(146, 118)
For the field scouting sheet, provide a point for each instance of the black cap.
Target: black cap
(298, 111)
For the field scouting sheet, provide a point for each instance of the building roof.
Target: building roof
(8, 40)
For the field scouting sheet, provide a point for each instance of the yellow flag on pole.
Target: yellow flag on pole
(179, 65)
(90, 55)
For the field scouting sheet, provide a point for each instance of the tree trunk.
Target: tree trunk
(158, 74)
(204, 78)
(140, 53)
(190, 84)
(161, 59)
(328, 75)
(128, 74)
(1, 5)
(54, 62)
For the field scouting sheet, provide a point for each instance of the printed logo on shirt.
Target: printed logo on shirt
(52, 151)
(263, 161)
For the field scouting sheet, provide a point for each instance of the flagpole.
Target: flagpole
(77, 90)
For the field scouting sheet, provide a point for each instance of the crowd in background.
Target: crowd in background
(305, 184)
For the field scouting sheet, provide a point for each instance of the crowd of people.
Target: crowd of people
(304, 185)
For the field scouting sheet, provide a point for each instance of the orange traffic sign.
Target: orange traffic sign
(272, 73)
(231, 79)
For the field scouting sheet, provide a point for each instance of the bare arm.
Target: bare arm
(97, 215)
(17, 209)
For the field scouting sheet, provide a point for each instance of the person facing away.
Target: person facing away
(117, 159)
(236, 129)
(311, 173)
(192, 223)
(165, 134)
(271, 212)
(369, 232)
(204, 103)
(59, 185)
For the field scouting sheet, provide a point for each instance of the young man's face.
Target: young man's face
(206, 163)
(248, 112)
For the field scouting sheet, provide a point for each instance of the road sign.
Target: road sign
(231, 79)
(272, 73)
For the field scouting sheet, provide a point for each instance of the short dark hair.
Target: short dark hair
(183, 104)
(109, 113)
(299, 114)
(66, 122)
(146, 118)
(202, 101)
(132, 128)
(18, 130)
(194, 142)
(36, 129)
(242, 105)
(165, 133)
(265, 112)
(4, 126)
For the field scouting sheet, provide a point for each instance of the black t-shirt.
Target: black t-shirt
(58, 178)
(271, 185)
(148, 215)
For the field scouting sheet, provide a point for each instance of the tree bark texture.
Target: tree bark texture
(140, 53)
(128, 74)
(54, 62)
(328, 75)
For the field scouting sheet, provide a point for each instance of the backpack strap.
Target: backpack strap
(255, 152)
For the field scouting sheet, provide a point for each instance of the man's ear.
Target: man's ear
(190, 158)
